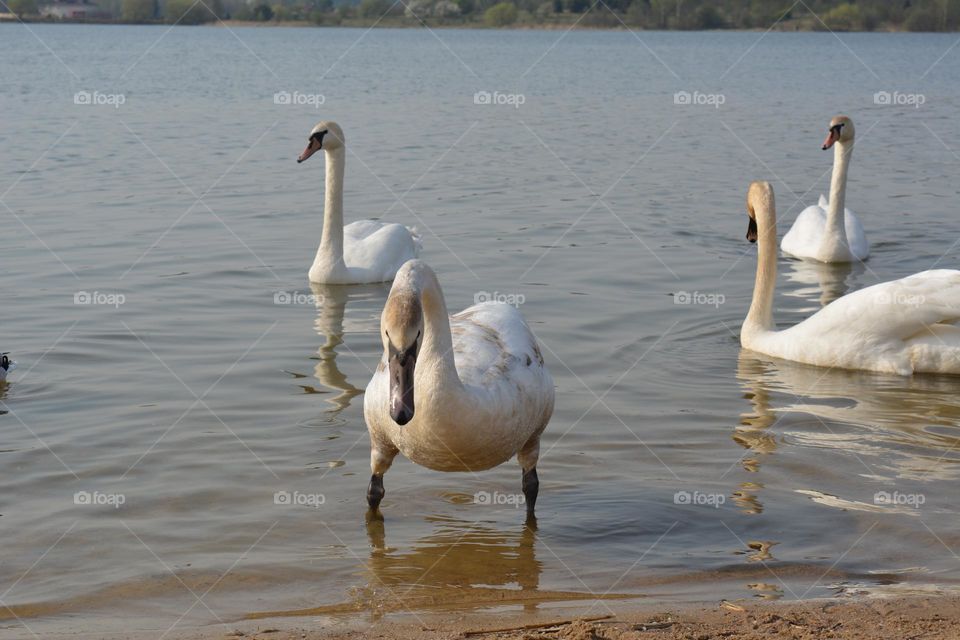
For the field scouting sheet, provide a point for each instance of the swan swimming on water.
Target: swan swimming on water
(455, 393)
(6, 365)
(363, 251)
(828, 231)
(903, 326)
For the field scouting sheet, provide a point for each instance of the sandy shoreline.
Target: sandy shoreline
(936, 618)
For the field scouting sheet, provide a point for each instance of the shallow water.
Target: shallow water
(596, 203)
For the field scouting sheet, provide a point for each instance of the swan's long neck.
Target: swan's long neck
(331, 243)
(836, 229)
(760, 317)
(436, 350)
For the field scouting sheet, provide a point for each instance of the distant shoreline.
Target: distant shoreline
(404, 23)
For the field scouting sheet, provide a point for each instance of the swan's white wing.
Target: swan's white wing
(374, 251)
(499, 360)
(806, 235)
(893, 326)
(803, 239)
(856, 236)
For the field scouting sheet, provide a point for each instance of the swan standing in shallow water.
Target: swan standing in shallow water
(363, 251)
(903, 326)
(828, 231)
(460, 393)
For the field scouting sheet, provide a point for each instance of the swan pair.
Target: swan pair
(460, 393)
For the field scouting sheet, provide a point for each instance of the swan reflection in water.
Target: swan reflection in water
(909, 425)
(821, 280)
(331, 302)
(459, 564)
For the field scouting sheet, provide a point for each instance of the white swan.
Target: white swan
(829, 232)
(460, 393)
(903, 327)
(363, 251)
(6, 365)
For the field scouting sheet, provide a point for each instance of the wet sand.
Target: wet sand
(935, 618)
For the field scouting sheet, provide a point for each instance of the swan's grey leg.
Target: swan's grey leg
(381, 457)
(527, 457)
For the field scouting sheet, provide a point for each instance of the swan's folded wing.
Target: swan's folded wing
(895, 310)
(803, 238)
(494, 346)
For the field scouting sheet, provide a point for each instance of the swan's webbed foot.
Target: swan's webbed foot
(375, 491)
(531, 486)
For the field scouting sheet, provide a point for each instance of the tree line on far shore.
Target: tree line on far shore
(834, 15)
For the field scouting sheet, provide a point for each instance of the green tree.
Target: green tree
(262, 13)
(500, 15)
(138, 10)
(23, 7)
(843, 17)
(186, 12)
(374, 8)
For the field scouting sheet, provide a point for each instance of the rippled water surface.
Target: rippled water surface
(597, 203)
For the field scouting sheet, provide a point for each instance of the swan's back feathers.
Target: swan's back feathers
(374, 251)
(903, 327)
(895, 310)
(805, 237)
(493, 345)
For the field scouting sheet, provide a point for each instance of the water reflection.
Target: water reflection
(818, 279)
(331, 302)
(459, 564)
(909, 428)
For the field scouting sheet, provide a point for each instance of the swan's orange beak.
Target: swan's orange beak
(312, 147)
(832, 137)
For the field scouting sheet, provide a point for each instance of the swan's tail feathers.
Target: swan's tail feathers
(417, 239)
(823, 202)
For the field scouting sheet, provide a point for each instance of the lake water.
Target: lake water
(595, 203)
